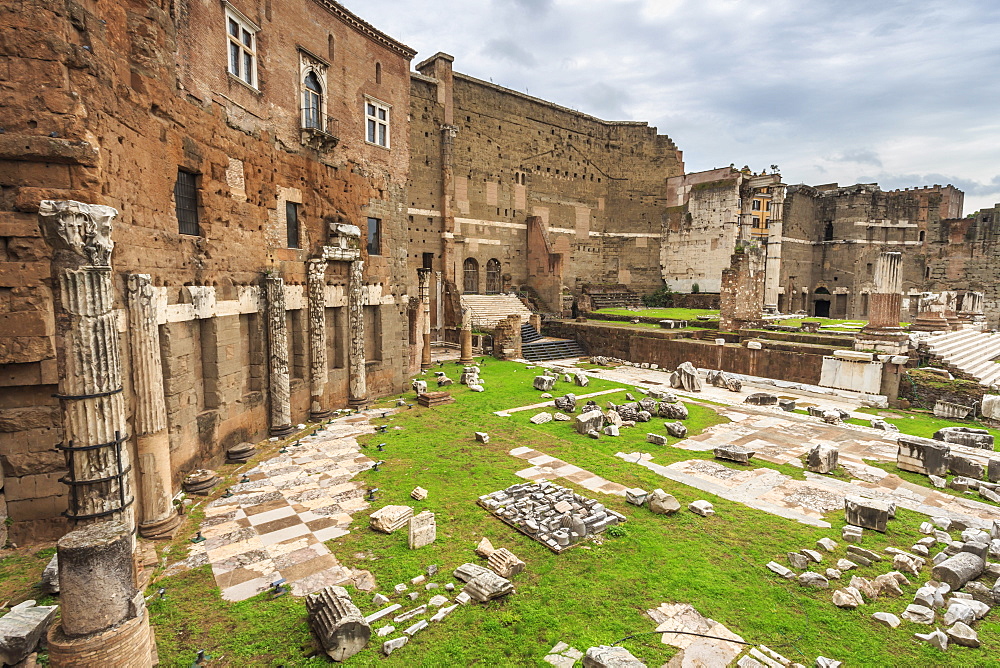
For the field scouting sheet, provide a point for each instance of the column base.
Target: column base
(283, 430)
(316, 416)
(357, 403)
(128, 645)
(163, 529)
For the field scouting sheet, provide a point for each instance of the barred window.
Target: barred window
(186, 202)
(374, 236)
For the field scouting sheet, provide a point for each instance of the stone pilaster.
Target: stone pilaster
(465, 338)
(318, 370)
(883, 333)
(772, 275)
(358, 382)
(277, 356)
(88, 352)
(157, 516)
(439, 302)
(424, 291)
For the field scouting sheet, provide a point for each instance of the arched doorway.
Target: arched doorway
(821, 303)
(471, 283)
(493, 284)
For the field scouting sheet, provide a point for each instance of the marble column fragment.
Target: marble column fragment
(277, 356)
(887, 299)
(157, 515)
(465, 338)
(358, 385)
(88, 351)
(424, 291)
(318, 370)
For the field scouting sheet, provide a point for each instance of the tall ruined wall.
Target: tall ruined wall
(122, 95)
(597, 186)
(832, 237)
(964, 253)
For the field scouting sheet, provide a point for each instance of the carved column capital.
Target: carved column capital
(80, 228)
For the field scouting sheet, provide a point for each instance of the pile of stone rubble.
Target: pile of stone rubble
(555, 516)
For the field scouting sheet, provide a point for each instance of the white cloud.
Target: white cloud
(830, 90)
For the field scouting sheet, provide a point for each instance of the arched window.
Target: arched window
(312, 102)
(471, 276)
(921, 235)
(493, 284)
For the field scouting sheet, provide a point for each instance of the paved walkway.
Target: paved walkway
(547, 468)
(274, 526)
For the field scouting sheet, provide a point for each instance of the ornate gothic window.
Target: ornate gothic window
(312, 102)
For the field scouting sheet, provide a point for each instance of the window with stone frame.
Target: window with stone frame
(312, 102)
(374, 236)
(377, 122)
(292, 224)
(241, 35)
(186, 202)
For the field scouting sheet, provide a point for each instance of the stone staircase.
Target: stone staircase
(621, 298)
(536, 348)
(488, 310)
(970, 352)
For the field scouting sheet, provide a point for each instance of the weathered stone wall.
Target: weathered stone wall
(663, 349)
(742, 302)
(122, 94)
(832, 237)
(597, 186)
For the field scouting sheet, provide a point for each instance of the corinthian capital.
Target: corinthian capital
(84, 229)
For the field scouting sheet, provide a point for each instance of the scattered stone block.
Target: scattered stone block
(561, 417)
(636, 496)
(967, 436)
(822, 459)
(815, 580)
(887, 584)
(656, 439)
(761, 399)
(390, 646)
(703, 508)
(888, 619)
(857, 553)
(337, 623)
(482, 437)
(827, 544)
(485, 548)
(443, 612)
(419, 493)
(833, 574)
(672, 411)
(604, 656)
(380, 599)
(780, 570)
(923, 455)
(813, 555)
(734, 453)
(865, 586)
(611, 430)
(852, 534)
(384, 612)
(488, 586)
(589, 421)
(544, 383)
(463, 598)
(662, 503)
(957, 612)
(937, 481)
(798, 560)
(676, 429)
(965, 466)
(385, 630)
(866, 513)
(686, 377)
(504, 563)
(935, 638)
(410, 614)
(846, 565)
(423, 530)
(787, 405)
(845, 598)
(964, 635)
(566, 403)
(22, 629)
(390, 518)
(958, 570)
(993, 470)
(541, 418)
(918, 614)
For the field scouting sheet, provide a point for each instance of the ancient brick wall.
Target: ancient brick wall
(122, 96)
(597, 186)
(742, 294)
(964, 253)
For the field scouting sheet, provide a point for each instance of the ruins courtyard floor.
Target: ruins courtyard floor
(597, 593)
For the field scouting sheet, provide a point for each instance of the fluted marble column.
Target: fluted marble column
(465, 338)
(277, 356)
(157, 516)
(88, 351)
(424, 291)
(358, 384)
(887, 299)
(318, 369)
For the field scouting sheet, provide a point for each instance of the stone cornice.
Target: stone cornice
(366, 28)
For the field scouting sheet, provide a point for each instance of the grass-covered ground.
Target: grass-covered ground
(593, 594)
(920, 423)
(666, 313)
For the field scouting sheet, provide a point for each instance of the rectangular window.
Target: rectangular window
(755, 205)
(186, 202)
(374, 236)
(428, 260)
(767, 205)
(242, 35)
(377, 123)
(756, 221)
(292, 224)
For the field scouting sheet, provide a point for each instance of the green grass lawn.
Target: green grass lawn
(796, 322)
(593, 594)
(666, 313)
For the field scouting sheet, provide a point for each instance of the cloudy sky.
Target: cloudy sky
(901, 92)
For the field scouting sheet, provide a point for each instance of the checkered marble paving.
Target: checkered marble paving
(546, 468)
(275, 524)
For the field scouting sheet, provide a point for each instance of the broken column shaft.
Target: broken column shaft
(358, 385)
(318, 370)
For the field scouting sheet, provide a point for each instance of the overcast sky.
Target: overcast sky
(902, 92)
